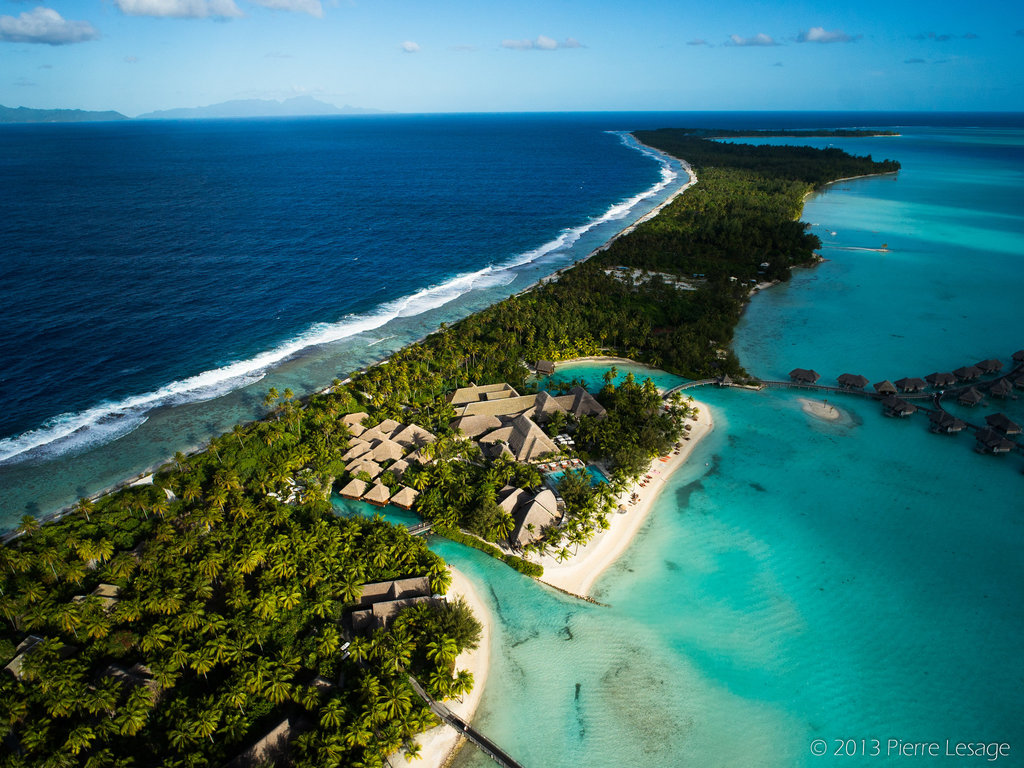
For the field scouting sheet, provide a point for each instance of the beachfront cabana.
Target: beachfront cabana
(852, 381)
(910, 385)
(970, 396)
(405, 497)
(378, 495)
(1001, 388)
(885, 388)
(897, 408)
(967, 373)
(803, 376)
(940, 380)
(990, 441)
(1003, 423)
(989, 366)
(945, 423)
(354, 490)
(545, 367)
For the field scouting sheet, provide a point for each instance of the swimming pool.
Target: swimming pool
(554, 478)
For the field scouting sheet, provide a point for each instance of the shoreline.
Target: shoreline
(578, 575)
(440, 744)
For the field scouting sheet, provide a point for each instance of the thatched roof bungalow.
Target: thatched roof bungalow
(1003, 423)
(528, 441)
(989, 366)
(1019, 382)
(970, 396)
(898, 408)
(378, 495)
(940, 380)
(353, 490)
(545, 367)
(1018, 356)
(372, 468)
(910, 385)
(546, 406)
(967, 373)
(381, 601)
(387, 450)
(990, 441)
(405, 497)
(357, 448)
(413, 436)
(533, 516)
(804, 376)
(885, 388)
(581, 403)
(945, 423)
(852, 381)
(474, 426)
(1001, 388)
(399, 468)
(354, 418)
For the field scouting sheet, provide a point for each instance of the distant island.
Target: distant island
(27, 115)
(300, 106)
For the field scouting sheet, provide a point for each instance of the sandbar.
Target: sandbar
(820, 410)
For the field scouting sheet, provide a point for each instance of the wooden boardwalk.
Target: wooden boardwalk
(420, 529)
(488, 747)
(934, 398)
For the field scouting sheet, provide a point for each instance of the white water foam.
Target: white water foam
(108, 421)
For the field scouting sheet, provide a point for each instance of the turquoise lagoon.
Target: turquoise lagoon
(800, 579)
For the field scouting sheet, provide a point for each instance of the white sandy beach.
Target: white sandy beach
(578, 574)
(820, 410)
(439, 742)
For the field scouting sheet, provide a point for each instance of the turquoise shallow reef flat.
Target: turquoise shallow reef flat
(803, 579)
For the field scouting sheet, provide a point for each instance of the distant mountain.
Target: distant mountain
(300, 106)
(26, 115)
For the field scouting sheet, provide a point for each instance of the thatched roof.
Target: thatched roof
(910, 385)
(546, 406)
(396, 589)
(474, 426)
(405, 497)
(372, 468)
(1001, 388)
(356, 449)
(580, 403)
(1019, 382)
(387, 450)
(1018, 356)
(509, 406)
(940, 379)
(466, 395)
(389, 426)
(898, 407)
(399, 468)
(989, 366)
(853, 381)
(511, 498)
(1003, 423)
(354, 490)
(885, 388)
(528, 441)
(993, 441)
(354, 418)
(946, 422)
(804, 376)
(970, 396)
(545, 367)
(378, 494)
(539, 512)
(413, 435)
(967, 373)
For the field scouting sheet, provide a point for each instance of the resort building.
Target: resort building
(405, 497)
(377, 495)
(532, 514)
(381, 601)
(852, 381)
(968, 373)
(1001, 388)
(885, 388)
(897, 407)
(545, 368)
(970, 396)
(1001, 422)
(525, 440)
(353, 490)
(910, 385)
(945, 423)
(804, 376)
(989, 366)
(990, 441)
(940, 380)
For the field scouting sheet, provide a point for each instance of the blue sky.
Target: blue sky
(478, 55)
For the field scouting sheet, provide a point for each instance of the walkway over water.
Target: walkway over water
(488, 747)
(1016, 374)
(420, 529)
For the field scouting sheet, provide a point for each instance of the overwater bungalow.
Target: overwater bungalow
(405, 497)
(897, 408)
(940, 380)
(1001, 388)
(354, 490)
(804, 376)
(967, 373)
(990, 441)
(945, 423)
(910, 385)
(1018, 357)
(989, 366)
(378, 495)
(852, 381)
(1019, 382)
(1003, 423)
(885, 388)
(970, 396)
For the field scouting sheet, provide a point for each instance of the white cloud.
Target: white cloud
(312, 7)
(131, 59)
(410, 47)
(821, 35)
(542, 43)
(180, 9)
(760, 39)
(45, 25)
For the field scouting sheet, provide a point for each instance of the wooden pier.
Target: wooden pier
(488, 747)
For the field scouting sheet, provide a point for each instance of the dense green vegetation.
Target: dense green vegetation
(796, 133)
(233, 603)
